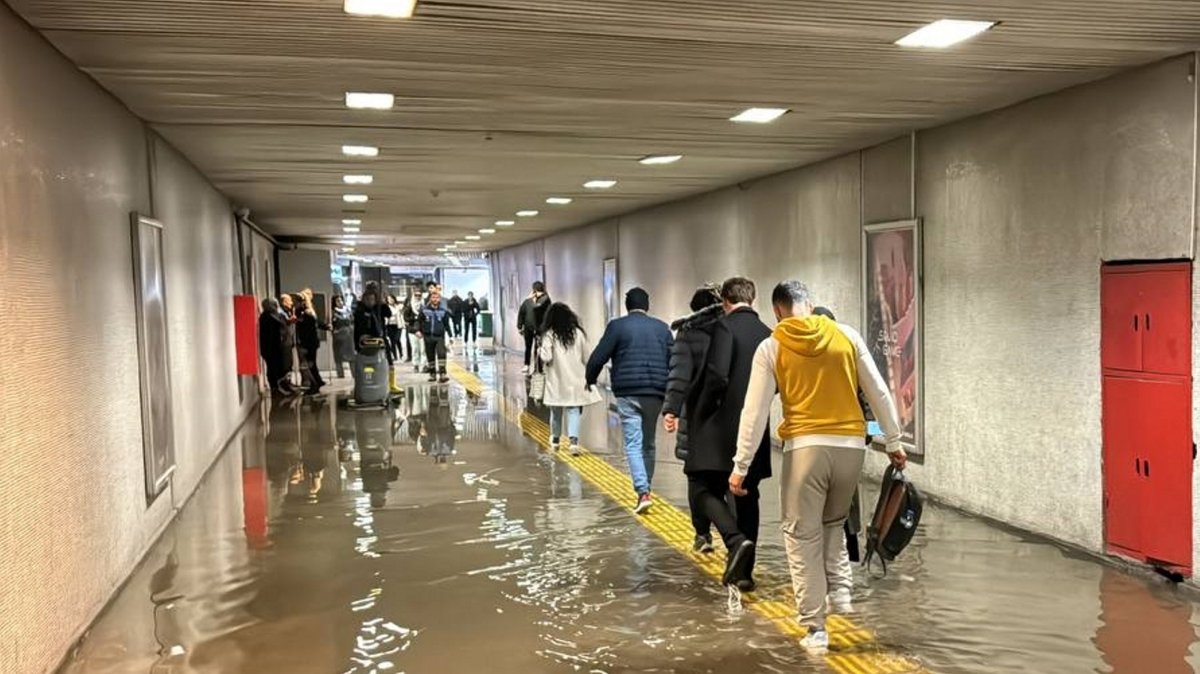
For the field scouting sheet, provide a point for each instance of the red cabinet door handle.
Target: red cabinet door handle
(1146, 465)
(1137, 465)
(1147, 322)
(1135, 322)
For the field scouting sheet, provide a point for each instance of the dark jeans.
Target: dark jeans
(310, 374)
(530, 338)
(456, 323)
(393, 342)
(735, 517)
(435, 354)
(471, 330)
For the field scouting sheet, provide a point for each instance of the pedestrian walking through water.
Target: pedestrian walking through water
(564, 351)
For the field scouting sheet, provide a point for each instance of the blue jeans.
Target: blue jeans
(573, 415)
(639, 422)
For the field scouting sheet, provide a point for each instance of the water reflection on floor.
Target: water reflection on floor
(435, 538)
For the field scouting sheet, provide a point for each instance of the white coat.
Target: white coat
(566, 372)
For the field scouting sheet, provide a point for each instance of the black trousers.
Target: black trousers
(435, 354)
(393, 341)
(456, 323)
(530, 338)
(277, 369)
(471, 330)
(735, 517)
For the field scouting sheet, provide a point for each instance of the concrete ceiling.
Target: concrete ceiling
(502, 103)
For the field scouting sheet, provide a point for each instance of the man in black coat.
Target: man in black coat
(271, 329)
(530, 319)
(455, 307)
(716, 415)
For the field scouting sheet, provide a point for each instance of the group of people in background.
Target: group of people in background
(712, 382)
(417, 330)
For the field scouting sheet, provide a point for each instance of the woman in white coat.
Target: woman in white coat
(564, 351)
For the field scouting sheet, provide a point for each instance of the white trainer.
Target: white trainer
(840, 602)
(816, 643)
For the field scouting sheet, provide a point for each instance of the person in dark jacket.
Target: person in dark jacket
(471, 311)
(530, 319)
(271, 329)
(692, 336)
(716, 411)
(368, 318)
(434, 328)
(639, 347)
(455, 306)
(308, 338)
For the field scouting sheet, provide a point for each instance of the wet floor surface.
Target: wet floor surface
(438, 537)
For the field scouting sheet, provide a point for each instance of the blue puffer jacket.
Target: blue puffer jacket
(640, 350)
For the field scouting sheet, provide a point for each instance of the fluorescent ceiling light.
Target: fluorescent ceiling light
(599, 184)
(355, 198)
(759, 115)
(559, 201)
(359, 100)
(350, 230)
(360, 150)
(392, 9)
(658, 159)
(358, 180)
(472, 237)
(505, 223)
(459, 242)
(347, 250)
(944, 33)
(451, 246)
(487, 231)
(526, 214)
(352, 222)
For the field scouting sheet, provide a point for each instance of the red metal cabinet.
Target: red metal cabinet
(1146, 338)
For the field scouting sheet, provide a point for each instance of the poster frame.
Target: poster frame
(612, 309)
(159, 457)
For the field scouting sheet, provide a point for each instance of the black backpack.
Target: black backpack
(897, 515)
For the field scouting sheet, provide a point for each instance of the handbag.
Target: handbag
(537, 381)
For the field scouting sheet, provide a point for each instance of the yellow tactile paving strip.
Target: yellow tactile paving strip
(851, 645)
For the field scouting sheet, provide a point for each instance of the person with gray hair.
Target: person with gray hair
(818, 367)
(272, 330)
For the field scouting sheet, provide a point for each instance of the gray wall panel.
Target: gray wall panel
(887, 181)
(74, 520)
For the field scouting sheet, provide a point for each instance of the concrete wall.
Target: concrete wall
(74, 520)
(1020, 206)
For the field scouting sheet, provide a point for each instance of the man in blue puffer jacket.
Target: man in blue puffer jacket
(639, 347)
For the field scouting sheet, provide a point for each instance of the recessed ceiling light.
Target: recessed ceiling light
(358, 180)
(559, 201)
(658, 159)
(347, 250)
(600, 184)
(355, 198)
(360, 150)
(359, 100)
(505, 223)
(392, 9)
(351, 230)
(759, 115)
(944, 33)
(472, 237)
(526, 214)
(451, 246)
(351, 221)
(487, 231)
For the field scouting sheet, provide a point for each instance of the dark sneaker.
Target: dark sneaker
(737, 566)
(432, 377)
(444, 379)
(554, 443)
(747, 585)
(703, 545)
(643, 504)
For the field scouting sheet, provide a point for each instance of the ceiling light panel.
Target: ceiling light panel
(944, 33)
(391, 9)
(351, 230)
(472, 237)
(360, 150)
(600, 184)
(355, 198)
(358, 179)
(487, 231)
(505, 223)
(559, 201)
(660, 159)
(358, 100)
(759, 115)
(351, 221)
(526, 214)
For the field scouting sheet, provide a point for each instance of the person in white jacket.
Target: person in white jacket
(564, 351)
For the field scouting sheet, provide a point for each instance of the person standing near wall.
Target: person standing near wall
(308, 338)
(271, 328)
(393, 328)
(817, 366)
(342, 320)
(471, 311)
(564, 350)
(455, 306)
(530, 318)
(716, 412)
(435, 320)
(692, 336)
(639, 347)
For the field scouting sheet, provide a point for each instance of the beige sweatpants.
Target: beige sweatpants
(816, 489)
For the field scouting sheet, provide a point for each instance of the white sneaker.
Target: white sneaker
(525, 370)
(816, 643)
(840, 602)
(575, 451)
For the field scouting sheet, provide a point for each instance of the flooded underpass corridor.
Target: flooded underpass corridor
(444, 536)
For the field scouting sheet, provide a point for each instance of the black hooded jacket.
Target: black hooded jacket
(692, 337)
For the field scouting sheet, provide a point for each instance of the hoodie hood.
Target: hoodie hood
(809, 336)
(707, 315)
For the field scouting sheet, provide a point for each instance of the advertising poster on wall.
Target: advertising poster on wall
(892, 302)
(154, 360)
(611, 307)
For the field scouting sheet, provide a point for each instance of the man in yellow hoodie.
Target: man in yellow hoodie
(817, 366)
